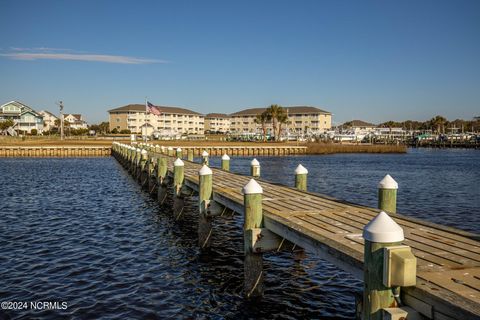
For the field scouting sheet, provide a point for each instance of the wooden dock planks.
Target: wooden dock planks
(448, 276)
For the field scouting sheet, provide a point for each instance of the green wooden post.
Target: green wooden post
(142, 166)
(255, 168)
(205, 157)
(301, 178)
(178, 176)
(179, 153)
(137, 162)
(387, 194)
(226, 162)
(162, 174)
(379, 233)
(190, 154)
(204, 198)
(253, 215)
(170, 151)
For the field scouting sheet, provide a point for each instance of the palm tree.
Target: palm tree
(274, 110)
(439, 122)
(282, 118)
(262, 119)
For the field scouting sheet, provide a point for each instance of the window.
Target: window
(118, 120)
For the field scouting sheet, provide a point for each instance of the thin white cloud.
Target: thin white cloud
(39, 49)
(20, 54)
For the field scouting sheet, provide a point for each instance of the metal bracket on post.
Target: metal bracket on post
(260, 240)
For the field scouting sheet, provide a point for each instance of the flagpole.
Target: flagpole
(145, 124)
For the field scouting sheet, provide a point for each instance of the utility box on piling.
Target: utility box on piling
(399, 267)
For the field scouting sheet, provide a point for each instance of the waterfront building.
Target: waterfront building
(358, 127)
(24, 117)
(175, 120)
(301, 120)
(48, 120)
(76, 121)
(217, 123)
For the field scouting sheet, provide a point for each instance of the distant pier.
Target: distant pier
(55, 151)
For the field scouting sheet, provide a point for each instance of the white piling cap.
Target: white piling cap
(254, 162)
(252, 187)
(301, 170)
(144, 151)
(204, 153)
(225, 157)
(205, 171)
(179, 149)
(388, 183)
(138, 150)
(170, 148)
(178, 163)
(382, 229)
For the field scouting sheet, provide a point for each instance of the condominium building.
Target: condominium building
(175, 120)
(24, 118)
(301, 120)
(48, 120)
(217, 122)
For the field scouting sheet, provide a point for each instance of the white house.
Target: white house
(48, 120)
(76, 121)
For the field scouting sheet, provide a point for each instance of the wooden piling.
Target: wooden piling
(161, 176)
(190, 154)
(255, 168)
(204, 198)
(379, 233)
(205, 157)
(226, 162)
(253, 264)
(387, 194)
(301, 178)
(178, 177)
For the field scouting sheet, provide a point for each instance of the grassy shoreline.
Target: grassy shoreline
(312, 147)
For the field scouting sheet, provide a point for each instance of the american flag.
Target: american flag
(153, 109)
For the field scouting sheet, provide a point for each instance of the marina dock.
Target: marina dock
(55, 151)
(447, 282)
(95, 151)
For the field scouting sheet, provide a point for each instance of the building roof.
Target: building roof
(358, 123)
(23, 108)
(217, 115)
(48, 112)
(164, 109)
(291, 110)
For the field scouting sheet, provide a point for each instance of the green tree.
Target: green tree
(275, 111)
(34, 132)
(263, 119)
(114, 131)
(439, 123)
(125, 131)
(6, 124)
(282, 118)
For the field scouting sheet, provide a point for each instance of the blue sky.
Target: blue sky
(369, 60)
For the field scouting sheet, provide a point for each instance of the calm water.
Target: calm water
(81, 231)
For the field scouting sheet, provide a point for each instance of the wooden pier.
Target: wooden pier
(447, 259)
(55, 151)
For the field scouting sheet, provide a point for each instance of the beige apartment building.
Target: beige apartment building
(173, 120)
(217, 122)
(301, 120)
